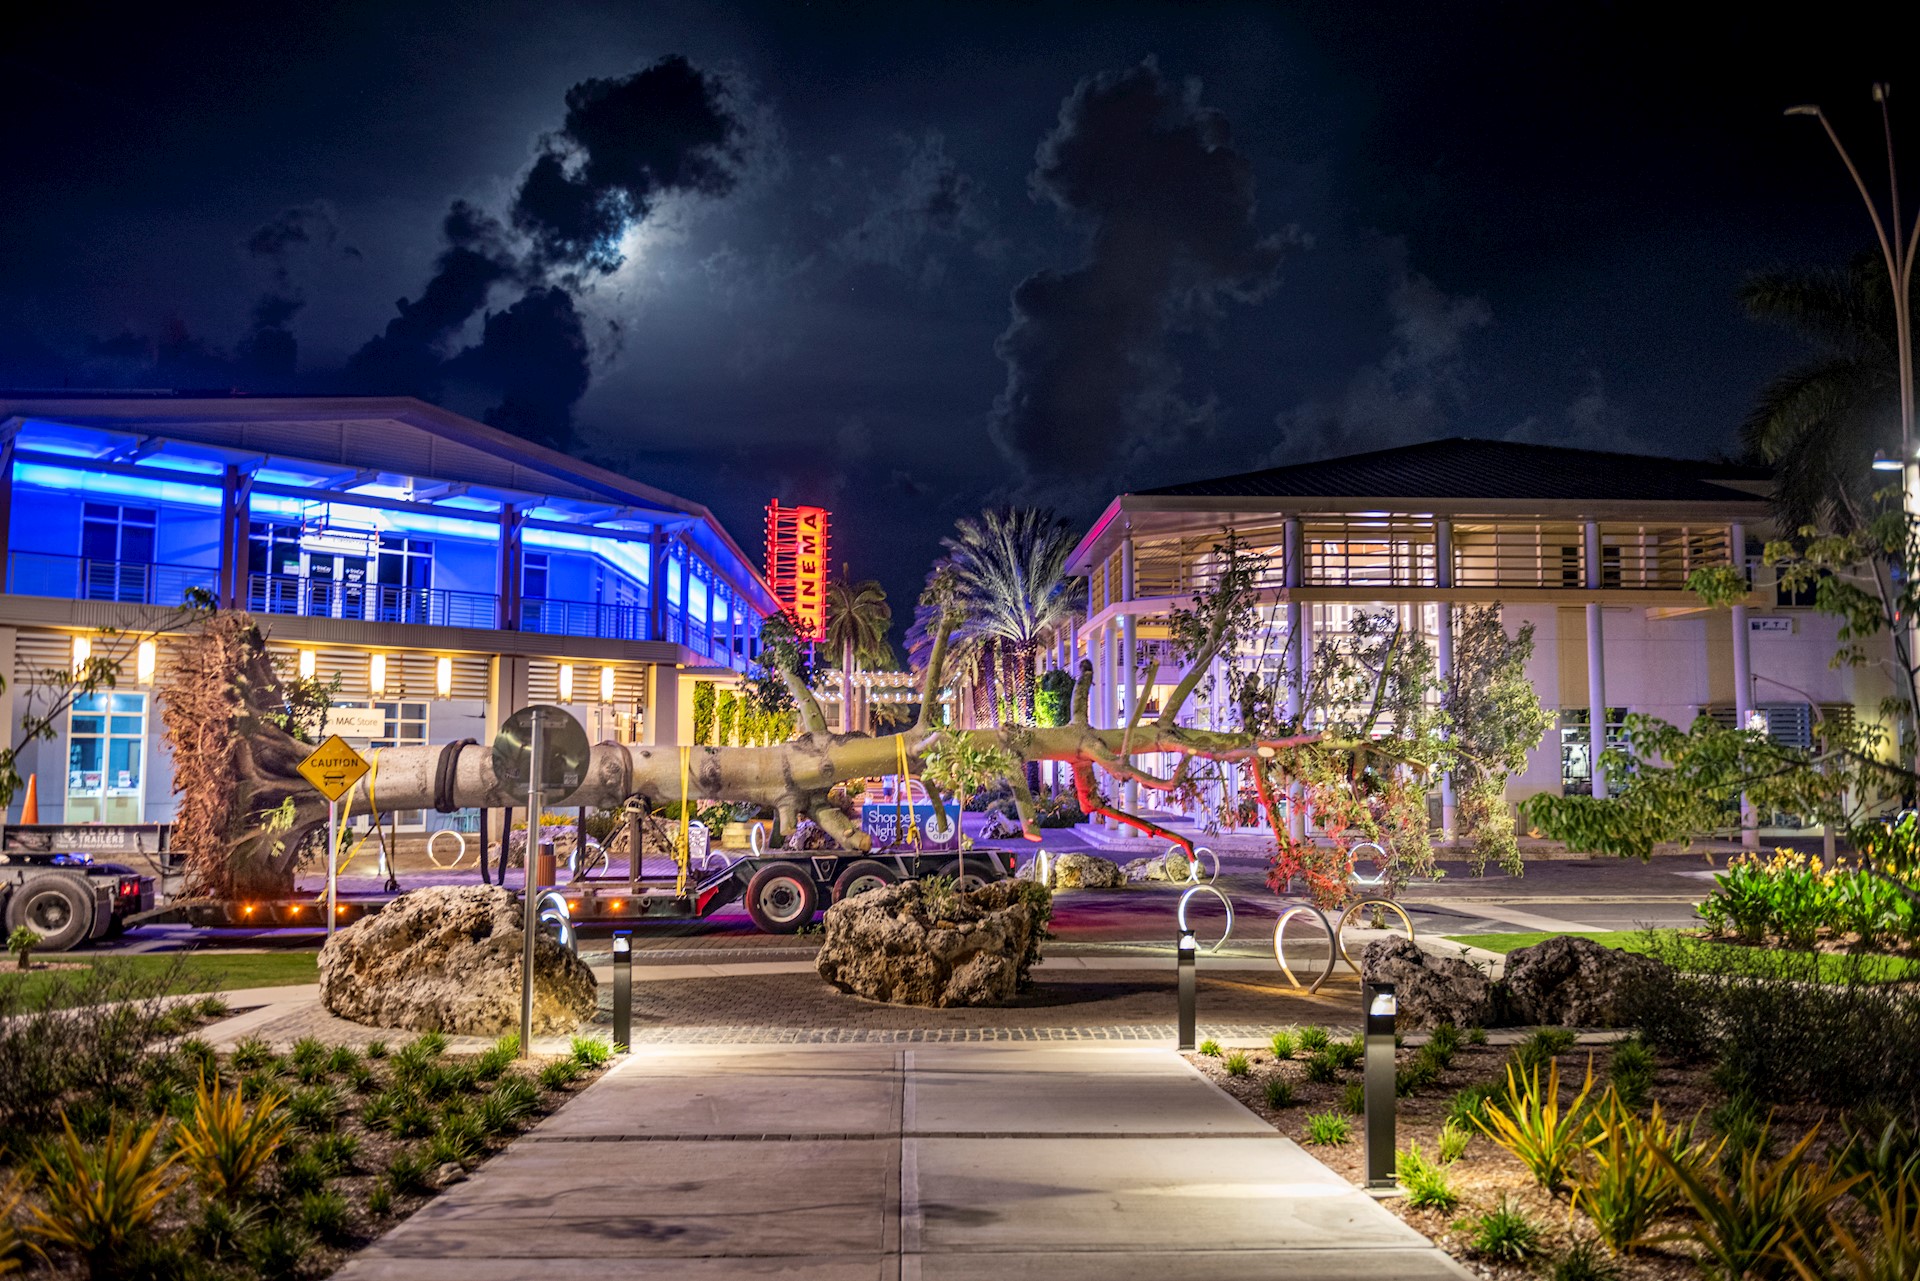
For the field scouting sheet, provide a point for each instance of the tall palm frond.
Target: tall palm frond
(1008, 571)
(1820, 425)
(858, 617)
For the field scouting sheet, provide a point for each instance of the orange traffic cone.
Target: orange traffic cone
(30, 808)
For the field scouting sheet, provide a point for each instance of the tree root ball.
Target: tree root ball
(908, 945)
(447, 959)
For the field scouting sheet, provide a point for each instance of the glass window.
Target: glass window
(1576, 749)
(116, 550)
(533, 576)
(106, 759)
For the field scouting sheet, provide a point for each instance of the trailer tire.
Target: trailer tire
(973, 880)
(867, 874)
(54, 907)
(782, 898)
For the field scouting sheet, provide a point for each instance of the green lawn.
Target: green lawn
(1876, 968)
(199, 971)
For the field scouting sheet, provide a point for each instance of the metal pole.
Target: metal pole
(530, 922)
(1377, 1000)
(622, 991)
(1186, 952)
(333, 863)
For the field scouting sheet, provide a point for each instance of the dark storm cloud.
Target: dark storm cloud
(625, 144)
(1168, 204)
(408, 358)
(534, 356)
(931, 207)
(314, 223)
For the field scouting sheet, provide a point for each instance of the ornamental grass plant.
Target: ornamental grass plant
(100, 1198)
(1625, 1185)
(1533, 1125)
(1747, 1222)
(225, 1143)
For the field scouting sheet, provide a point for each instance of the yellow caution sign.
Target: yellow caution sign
(334, 768)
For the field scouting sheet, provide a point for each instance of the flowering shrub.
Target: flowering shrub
(1794, 898)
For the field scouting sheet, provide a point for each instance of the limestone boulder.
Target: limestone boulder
(447, 959)
(1430, 989)
(1086, 872)
(1569, 981)
(907, 946)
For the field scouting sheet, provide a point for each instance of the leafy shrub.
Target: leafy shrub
(1237, 1064)
(488, 1065)
(1627, 1184)
(1453, 1142)
(1504, 1233)
(1314, 1038)
(1426, 1183)
(1469, 1106)
(1583, 1261)
(325, 1214)
(589, 1051)
(1630, 1071)
(223, 1226)
(1211, 1048)
(1745, 1221)
(1320, 1068)
(379, 1109)
(344, 1060)
(101, 1198)
(1416, 1073)
(1282, 1045)
(558, 1074)
(411, 1119)
(198, 1056)
(380, 1199)
(1279, 1092)
(460, 1140)
(376, 1049)
(1353, 1098)
(361, 1078)
(409, 1171)
(278, 1251)
(1327, 1128)
(1531, 1124)
(302, 1174)
(337, 1151)
(315, 1108)
(1541, 1046)
(253, 1054)
(225, 1143)
(1444, 1041)
(431, 1043)
(1347, 1054)
(308, 1051)
(516, 1094)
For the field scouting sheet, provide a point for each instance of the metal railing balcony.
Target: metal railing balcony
(126, 581)
(311, 597)
(584, 618)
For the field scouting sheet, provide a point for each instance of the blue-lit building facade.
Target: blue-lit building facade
(438, 571)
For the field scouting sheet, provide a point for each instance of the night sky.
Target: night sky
(908, 260)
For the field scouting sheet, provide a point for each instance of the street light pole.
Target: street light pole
(1898, 255)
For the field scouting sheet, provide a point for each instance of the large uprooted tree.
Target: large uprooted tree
(238, 733)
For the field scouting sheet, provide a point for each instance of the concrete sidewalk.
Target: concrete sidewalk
(1102, 1164)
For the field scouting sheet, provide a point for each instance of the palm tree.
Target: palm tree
(1821, 423)
(1009, 567)
(858, 617)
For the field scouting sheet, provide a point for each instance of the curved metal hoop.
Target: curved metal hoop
(557, 912)
(1279, 943)
(757, 839)
(1340, 930)
(1225, 901)
(458, 854)
(1193, 862)
(1379, 877)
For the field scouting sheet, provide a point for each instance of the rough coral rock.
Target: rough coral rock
(1085, 872)
(1429, 989)
(447, 959)
(907, 946)
(1569, 981)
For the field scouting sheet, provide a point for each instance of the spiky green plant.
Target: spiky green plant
(1327, 1128)
(1504, 1233)
(1532, 1125)
(1237, 1064)
(1427, 1185)
(101, 1198)
(1746, 1221)
(1210, 1048)
(1626, 1184)
(1279, 1092)
(1282, 1045)
(226, 1143)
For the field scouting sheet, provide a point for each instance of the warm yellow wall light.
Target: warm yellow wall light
(443, 677)
(566, 682)
(307, 663)
(377, 674)
(145, 659)
(82, 651)
(606, 684)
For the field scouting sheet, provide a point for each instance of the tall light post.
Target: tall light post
(1898, 255)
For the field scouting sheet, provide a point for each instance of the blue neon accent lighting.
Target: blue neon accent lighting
(73, 480)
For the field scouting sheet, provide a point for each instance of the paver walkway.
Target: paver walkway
(891, 1164)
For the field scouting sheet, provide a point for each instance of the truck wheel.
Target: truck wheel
(865, 875)
(781, 898)
(55, 908)
(973, 880)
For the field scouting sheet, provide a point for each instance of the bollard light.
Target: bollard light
(1187, 953)
(1380, 1006)
(622, 991)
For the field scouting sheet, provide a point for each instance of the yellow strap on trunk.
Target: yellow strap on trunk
(683, 853)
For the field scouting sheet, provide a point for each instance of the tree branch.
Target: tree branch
(1088, 794)
(936, 664)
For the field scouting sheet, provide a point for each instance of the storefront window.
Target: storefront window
(106, 759)
(1576, 749)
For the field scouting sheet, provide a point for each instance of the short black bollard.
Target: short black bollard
(1186, 953)
(1378, 1001)
(622, 991)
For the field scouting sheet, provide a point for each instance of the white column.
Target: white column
(1596, 665)
(1128, 633)
(1443, 644)
(1293, 573)
(1743, 683)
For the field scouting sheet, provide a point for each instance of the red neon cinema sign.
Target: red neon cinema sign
(797, 565)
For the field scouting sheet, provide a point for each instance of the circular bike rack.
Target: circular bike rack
(1224, 901)
(557, 912)
(1280, 948)
(1193, 862)
(458, 854)
(1340, 930)
(757, 839)
(1380, 863)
